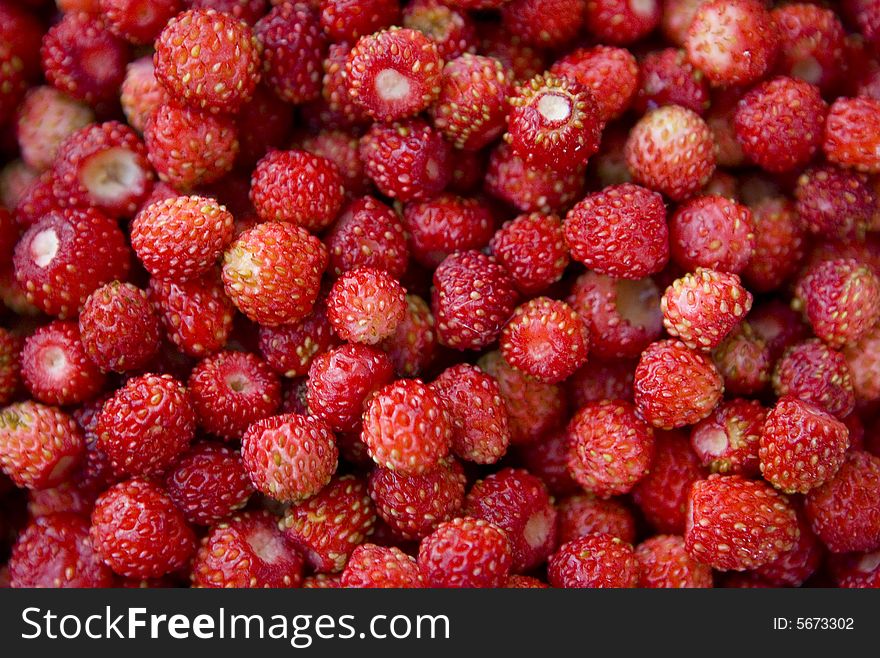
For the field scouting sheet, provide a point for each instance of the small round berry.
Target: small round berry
(465, 552)
(372, 566)
(728, 440)
(611, 74)
(584, 514)
(817, 374)
(366, 305)
(141, 92)
(712, 231)
(445, 224)
(532, 249)
(835, 203)
(778, 244)
(290, 349)
(668, 78)
(368, 234)
(346, 20)
(413, 346)
(596, 560)
(622, 21)
(45, 119)
(851, 130)
(664, 563)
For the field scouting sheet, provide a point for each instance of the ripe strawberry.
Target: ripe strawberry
(671, 150)
(817, 374)
(341, 148)
(714, 232)
(611, 447)
(407, 160)
(619, 231)
(811, 44)
(453, 30)
(412, 347)
(778, 325)
(534, 408)
(45, 119)
(444, 224)
(622, 21)
(596, 560)
(346, 20)
(55, 367)
(327, 527)
(664, 563)
(365, 305)
(843, 512)
(208, 483)
(189, 147)
(181, 238)
(272, 272)
(610, 74)
(735, 524)
(733, 42)
(247, 550)
(779, 123)
(336, 108)
(537, 23)
(372, 566)
(472, 299)
(702, 308)
(518, 503)
(584, 514)
(465, 552)
(15, 178)
(602, 379)
(21, 34)
(796, 565)
(531, 188)
(10, 366)
(40, 446)
(856, 570)
(138, 532)
(119, 329)
(138, 21)
(209, 60)
(406, 427)
(668, 78)
(55, 551)
(414, 505)
(623, 316)
(84, 59)
(862, 361)
(290, 457)
(231, 390)
(290, 349)
(547, 459)
(675, 386)
(532, 249)
(840, 298)
(851, 134)
(66, 255)
(368, 234)
(778, 244)
(196, 314)
(835, 203)
(249, 11)
(394, 73)
(727, 441)
(471, 109)
(472, 398)
(293, 48)
(37, 199)
(323, 580)
(141, 93)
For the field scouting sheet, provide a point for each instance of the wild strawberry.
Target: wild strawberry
(208, 483)
(811, 44)
(545, 339)
(668, 78)
(21, 34)
(843, 512)
(414, 505)
(40, 446)
(232, 390)
(623, 316)
(323, 580)
(735, 524)
(733, 43)
(249, 11)
(394, 73)
(37, 199)
(368, 234)
(55, 551)
(272, 272)
(611, 447)
(297, 187)
(817, 374)
(412, 347)
(622, 21)
(293, 51)
(181, 238)
(188, 147)
(196, 314)
(138, 21)
(671, 150)
(141, 93)
(56, 368)
(727, 441)
(372, 566)
(584, 514)
(336, 108)
(407, 160)
(45, 119)
(10, 366)
(453, 30)
(327, 527)
(796, 565)
(472, 299)
(471, 109)
(553, 122)
(602, 379)
(840, 299)
(675, 386)
(547, 459)
(119, 329)
(66, 255)
(778, 244)
(465, 552)
(247, 550)
(406, 427)
(208, 60)
(444, 224)
(862, 360)
(714, 232)
(835, 203)
(596, 560)
(532, 249)
(703, 307)
(341, 148)
(83, 59)
(851, 134)
(346, 20)
(856, 570)
(365, 305)
(610, 74)
(473, 401)
(290, 349)
(264, 123)
(524, 60)
(550, 23)
(138, 532)
(778, 326)
(290, 457)
(15, 178)
(518, 503)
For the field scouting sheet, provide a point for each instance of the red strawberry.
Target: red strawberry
(602, 380)
(547, 458)
(796, 565)
(465, 552)
(454, 31)
(811, 44)
(862, 360)
(368, 234)
(835, 203)
(728, 440)
(412, 347)
(341, 148)
(714, 232)
(138, 21)
(346, 20)
(532, 249)
(851, 134)
(778, 244)
(664, 563)
(543, 22)
(10, 366)
(372, 566)
(141, 93)
(584, 514)
(290, 349)
(45, 119)
(365, 305)
(817, 374)
(622, 21)
(668, 78)
(596, 560)
(611, 74)
(444, 224)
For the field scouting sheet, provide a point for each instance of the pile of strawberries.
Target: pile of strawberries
(453, 293)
